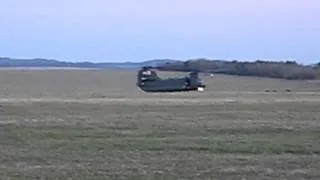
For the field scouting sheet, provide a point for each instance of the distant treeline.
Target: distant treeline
(6, 62)
(286, 70)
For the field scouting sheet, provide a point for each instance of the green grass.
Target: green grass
(97, 141)
(237, 141)
(156, 136)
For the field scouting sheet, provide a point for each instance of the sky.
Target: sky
(138, 30)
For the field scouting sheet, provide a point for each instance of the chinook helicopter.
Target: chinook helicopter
(149, 81)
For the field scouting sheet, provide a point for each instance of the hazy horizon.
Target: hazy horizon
(135, 31)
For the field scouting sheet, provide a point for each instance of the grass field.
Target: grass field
(63, 124)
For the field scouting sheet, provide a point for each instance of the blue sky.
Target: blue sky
(137, 30)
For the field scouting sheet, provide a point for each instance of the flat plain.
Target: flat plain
(96, 124)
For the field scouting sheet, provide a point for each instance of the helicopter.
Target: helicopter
(149, 81)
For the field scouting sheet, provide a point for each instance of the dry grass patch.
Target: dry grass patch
(91, 125)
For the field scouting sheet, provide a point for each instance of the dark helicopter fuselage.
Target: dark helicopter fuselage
(148, 81)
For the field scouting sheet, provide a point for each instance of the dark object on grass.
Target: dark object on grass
(149, 81)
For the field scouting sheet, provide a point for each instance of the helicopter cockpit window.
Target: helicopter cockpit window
(148, 75)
